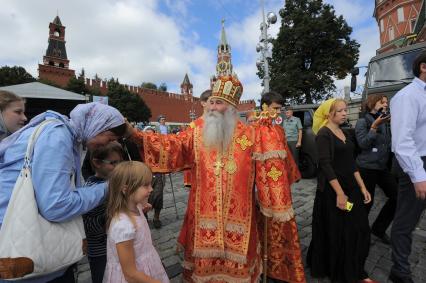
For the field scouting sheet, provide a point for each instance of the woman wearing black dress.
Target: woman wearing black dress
(340, 233)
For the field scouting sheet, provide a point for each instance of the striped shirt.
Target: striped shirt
(94, 225)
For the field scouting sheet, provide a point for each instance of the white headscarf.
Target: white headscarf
(87, 121)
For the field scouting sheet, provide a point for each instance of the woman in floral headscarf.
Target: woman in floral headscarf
(55, 159)
(340, 230)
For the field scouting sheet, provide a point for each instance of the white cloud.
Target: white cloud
(128, 39)
(135, 41)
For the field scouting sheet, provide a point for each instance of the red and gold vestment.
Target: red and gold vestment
(220, 234)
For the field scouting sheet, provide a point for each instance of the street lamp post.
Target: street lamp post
(263, 46)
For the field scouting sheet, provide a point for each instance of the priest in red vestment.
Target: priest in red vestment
(220, 232)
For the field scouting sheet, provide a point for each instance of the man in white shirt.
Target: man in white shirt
(409, 145)
(163, 129)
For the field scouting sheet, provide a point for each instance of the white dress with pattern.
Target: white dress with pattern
(147, 259)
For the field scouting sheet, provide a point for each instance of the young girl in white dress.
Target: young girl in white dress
(131, 257)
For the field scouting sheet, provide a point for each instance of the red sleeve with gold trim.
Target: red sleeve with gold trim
(293, 172)
(166, 153)
(273, 174)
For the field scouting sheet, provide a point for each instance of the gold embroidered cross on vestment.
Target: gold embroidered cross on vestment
(274, 173)
(244, 142)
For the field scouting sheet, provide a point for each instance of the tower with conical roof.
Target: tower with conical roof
(55, 67)
(224, 63)
(186, 87)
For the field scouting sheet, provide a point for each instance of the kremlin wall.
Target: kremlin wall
(176, 107)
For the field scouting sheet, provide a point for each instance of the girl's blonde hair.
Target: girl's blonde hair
(7, 97)
(333, 106)
(128, 175)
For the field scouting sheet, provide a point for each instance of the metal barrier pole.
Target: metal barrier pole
(173, 192)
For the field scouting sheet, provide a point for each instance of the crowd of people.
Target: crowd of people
(239, 223)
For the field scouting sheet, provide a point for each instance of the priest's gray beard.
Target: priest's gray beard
(218, 129)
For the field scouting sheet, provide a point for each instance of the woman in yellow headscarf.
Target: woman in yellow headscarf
(340, 229)
(321, 115)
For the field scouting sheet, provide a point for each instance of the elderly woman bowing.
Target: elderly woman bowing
(55, 159)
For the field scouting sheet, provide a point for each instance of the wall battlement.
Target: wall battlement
(102, 85)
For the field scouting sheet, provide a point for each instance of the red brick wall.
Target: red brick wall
(386, 13)
(246, 105)
(59, 76)
(175, 107)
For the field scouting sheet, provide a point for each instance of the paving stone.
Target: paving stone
(174, 270)
(379, 274)
(172, 260)
(84, 277)
(384, 264)
(177, 279)
(369, 266)
(378, 262)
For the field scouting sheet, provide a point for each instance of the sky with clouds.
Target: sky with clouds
(158, 40)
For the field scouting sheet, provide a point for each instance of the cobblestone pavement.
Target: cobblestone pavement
(378, 263)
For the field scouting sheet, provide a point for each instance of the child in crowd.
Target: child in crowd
(131, 255)
(156, 197)
(103, 160)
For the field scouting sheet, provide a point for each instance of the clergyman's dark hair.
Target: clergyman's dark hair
(416, 64)
(270, 97)
(205, 95)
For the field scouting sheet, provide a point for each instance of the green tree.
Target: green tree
(77, 85)
(162, 87)
(130, 105)
(149, 85)
(14, 75)
(313, 47)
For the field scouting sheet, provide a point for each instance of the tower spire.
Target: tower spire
(224, 64)
(186, 87)
(223, 40)
(55, 65)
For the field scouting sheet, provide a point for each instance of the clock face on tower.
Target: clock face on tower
(221, 66)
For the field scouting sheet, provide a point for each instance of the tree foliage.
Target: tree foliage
(77, 85)
(14, 75)
(162, 87)
(313, 47)
(149, 85)
(130, 105)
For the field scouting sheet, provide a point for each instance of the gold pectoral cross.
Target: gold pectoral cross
(231, 166)
(218, 165)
